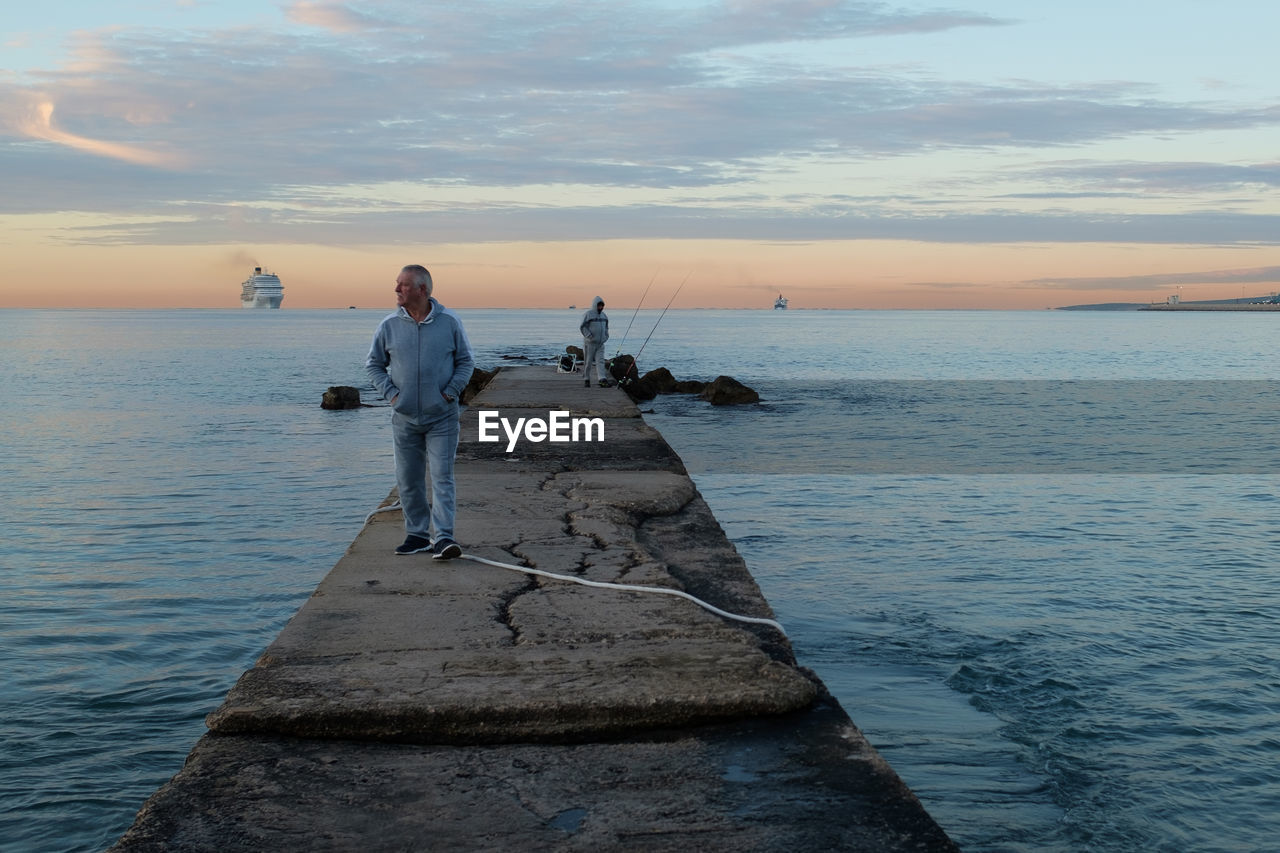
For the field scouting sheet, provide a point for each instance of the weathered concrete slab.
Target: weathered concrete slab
(800, 782)
(413, 704)
(539, 388)
(406, 648)
(630, 444)
(531, 392)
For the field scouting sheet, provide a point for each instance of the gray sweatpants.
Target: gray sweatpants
(594, 354)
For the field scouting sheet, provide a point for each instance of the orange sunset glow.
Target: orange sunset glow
(720, 274)
(827, 151)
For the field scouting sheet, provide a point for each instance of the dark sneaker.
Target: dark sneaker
(413, 545)
(446, 549)
(586, 383)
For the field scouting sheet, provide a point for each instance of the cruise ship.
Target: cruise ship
(780, 304)
(261, 290)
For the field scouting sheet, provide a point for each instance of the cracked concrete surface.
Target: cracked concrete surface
(413, 704)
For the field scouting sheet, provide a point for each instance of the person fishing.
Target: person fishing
(595, 331)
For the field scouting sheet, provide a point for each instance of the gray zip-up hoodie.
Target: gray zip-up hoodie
(421, 363)
(595, 323)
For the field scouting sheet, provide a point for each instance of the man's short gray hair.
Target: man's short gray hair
(421, 276)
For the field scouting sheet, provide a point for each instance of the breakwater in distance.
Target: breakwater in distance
(1211, 306)
(410, 701)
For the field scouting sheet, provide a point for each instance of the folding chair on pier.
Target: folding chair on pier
(569, 363)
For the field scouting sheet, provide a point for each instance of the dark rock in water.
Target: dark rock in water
(623, 368)
(661, 380)
(576, 352)
(340, 397)
(689, 386)
(479, 378)
(727, 391)
(639, 390)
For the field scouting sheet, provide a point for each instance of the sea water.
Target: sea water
(1030, 552)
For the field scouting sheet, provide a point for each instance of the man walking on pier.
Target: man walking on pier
(595, 331)
(420, 362)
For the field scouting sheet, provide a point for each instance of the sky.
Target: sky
(534, 153)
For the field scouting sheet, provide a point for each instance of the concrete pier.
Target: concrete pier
(413, 704)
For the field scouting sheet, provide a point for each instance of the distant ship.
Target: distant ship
(780, 304)
(261, 290)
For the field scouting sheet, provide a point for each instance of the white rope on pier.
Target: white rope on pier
(386, 508)
(657, 590)
(660, 590)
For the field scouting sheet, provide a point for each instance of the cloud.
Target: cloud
(256, 108)
(1252, 275)
(338, 17)
(470, 223)
(1182, 177)
(739, 22)
(38, 124)
(615, 96)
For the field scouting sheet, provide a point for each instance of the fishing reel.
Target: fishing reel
(626, 365)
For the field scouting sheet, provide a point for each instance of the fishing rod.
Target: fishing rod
(632, 373)
(663, 314)
(637, 311)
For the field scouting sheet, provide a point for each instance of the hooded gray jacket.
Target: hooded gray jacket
(595, 323)
(421, 363)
